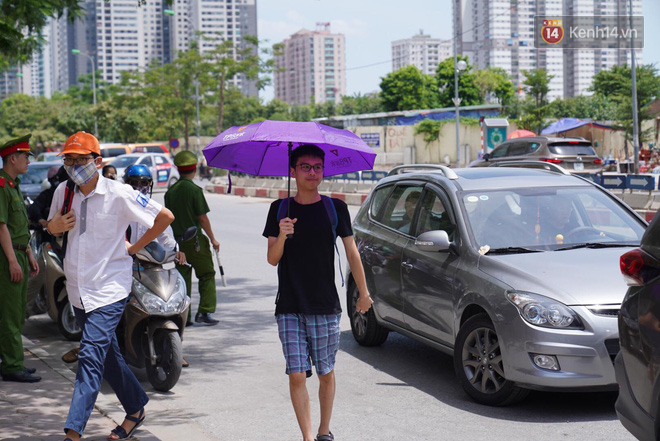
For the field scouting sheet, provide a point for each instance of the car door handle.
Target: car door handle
(407, 266)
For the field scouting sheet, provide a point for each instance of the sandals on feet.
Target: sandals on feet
(121, 433)
(328, 437)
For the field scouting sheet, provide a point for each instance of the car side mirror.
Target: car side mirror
(433, 241)
(486, 157)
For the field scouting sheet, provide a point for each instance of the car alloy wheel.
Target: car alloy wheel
(365, 328)
(479, 364)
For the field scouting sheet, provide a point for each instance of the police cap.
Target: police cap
(185, 160)
(16, 145)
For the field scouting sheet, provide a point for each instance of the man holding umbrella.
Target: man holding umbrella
(308, 309)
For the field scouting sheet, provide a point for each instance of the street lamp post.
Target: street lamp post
(78, 52)
(635, 129)
(458, 66)
(171, 13)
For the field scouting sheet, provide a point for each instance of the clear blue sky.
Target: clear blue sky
(371, 25)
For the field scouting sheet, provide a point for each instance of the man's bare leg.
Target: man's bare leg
(300, 401)
(326, 400)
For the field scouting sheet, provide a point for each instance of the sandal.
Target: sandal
(329, 437)
(121, 432)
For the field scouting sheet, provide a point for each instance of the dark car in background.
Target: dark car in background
(638, 363)
(31, 182)
(513, 271)
(573, 154)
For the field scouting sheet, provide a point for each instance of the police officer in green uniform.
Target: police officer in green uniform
(16, 261)
(186, 201)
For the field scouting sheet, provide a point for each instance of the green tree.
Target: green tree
(535, 107)
(497, 81)
(228, 60)
(616, 85)
(596, 107)
(356, 104)
(406, 89)
(468, 91)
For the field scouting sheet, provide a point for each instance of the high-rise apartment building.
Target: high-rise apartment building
(217, 20)
(312, 67)
(122, 36)
(500, 33)
(422, 51)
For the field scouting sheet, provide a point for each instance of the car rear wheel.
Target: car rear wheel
(479, 366)
(365, 328)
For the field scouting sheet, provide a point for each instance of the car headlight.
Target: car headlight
(544, 311)
(157, 306)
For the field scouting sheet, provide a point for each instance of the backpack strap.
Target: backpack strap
(66, 207)
(331, 210)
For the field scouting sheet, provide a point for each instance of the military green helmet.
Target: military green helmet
(185, 159)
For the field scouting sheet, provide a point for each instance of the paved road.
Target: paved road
(236, 389)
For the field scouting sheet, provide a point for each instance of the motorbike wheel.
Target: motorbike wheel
(169, 358)
(66, 321)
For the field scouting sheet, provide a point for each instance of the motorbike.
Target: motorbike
(150, 332)
(46, 291)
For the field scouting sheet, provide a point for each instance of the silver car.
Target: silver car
(513, 271)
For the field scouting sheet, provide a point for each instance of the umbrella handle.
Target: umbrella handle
(288, 189)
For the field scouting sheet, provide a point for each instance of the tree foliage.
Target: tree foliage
(535, 108)
(495, 81)
(406, 89)
(468, 91)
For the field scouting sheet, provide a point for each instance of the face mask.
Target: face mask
(81, 174)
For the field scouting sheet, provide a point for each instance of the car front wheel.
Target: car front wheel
(479, 366)
(366, 330)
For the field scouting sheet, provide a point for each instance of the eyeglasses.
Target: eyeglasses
(318, 168)
(77, 161)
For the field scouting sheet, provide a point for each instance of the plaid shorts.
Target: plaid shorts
(306, 336)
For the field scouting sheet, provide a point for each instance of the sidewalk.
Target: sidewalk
(37, 411)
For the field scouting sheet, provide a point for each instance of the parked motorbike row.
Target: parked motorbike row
(151, 330)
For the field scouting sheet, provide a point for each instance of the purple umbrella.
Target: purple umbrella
(263, 148)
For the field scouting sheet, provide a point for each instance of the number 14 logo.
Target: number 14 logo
(552, 31)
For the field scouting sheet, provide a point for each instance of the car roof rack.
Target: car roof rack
(409, 168)
(532, 164)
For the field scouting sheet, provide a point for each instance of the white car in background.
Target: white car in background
(163, 171)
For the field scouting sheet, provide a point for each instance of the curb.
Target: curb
(277, 193)
(105, 404)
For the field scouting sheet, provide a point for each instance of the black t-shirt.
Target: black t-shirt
(306, 271)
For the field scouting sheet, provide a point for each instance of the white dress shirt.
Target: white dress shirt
(97, 266)
(166, 238)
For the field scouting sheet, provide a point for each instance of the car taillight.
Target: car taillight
(639, 267)
(598, 161)
(551, 160)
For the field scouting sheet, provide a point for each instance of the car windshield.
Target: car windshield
(123, 162)
(548, 218)
(561, 148)
(34, 175)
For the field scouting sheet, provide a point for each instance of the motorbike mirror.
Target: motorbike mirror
(189, 233)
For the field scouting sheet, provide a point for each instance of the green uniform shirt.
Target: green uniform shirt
(12, 209)
(186, 201)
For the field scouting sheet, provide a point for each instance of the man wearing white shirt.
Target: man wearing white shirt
(98, 269)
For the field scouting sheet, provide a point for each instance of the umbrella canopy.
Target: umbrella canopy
(262, 149)
(520, 133)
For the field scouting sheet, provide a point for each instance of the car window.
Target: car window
(434, 216)
(379, 196)
(110, 152)
(34, 175)
(517, 149)
(563, 148)
(147, 161)
(533, 146)
(400, 208)
(123, 162)
(160, 160)
(500, 151)
(547, 218)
